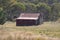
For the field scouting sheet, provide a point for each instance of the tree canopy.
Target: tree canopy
(11, 8)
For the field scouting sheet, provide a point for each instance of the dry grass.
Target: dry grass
(19, 35)
(46, 31)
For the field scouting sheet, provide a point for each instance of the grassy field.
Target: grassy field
(45, 31)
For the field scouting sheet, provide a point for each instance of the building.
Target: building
(29, 19)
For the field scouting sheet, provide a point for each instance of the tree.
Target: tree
(9, 5)
(44, 8)
(30, 7)
(20, 5)
(55, 11)
(2, 16)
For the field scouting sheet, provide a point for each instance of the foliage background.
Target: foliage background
(12, 8)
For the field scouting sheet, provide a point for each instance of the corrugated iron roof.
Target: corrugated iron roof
(29, 16)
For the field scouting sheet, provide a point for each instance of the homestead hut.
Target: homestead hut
(29, 19)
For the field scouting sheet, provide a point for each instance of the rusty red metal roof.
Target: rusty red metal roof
(33, 16)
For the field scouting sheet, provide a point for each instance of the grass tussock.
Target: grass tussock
(21, 36)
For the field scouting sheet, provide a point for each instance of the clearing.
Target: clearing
(45, 31)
